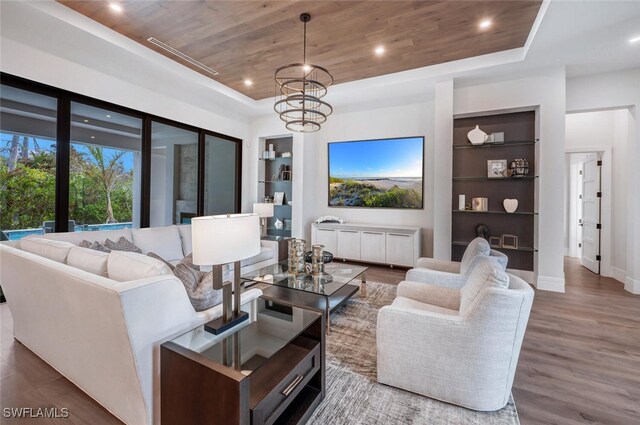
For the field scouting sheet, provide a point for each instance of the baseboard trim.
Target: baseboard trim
(549, 283)
(632, 285)
(619, 274)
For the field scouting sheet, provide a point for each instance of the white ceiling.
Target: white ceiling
(586, 37)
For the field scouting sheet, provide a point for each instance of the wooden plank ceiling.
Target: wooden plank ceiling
(250, 39)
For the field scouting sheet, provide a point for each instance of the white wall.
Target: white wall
(618, 90)
(346, 125)
(399, 121)
(546, 93)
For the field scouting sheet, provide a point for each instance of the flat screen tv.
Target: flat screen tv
(383, 173)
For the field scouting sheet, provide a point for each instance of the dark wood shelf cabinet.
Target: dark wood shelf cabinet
(470, 179)
(271, 181)
(281, 387)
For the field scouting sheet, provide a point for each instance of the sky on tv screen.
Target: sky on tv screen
(376, 158)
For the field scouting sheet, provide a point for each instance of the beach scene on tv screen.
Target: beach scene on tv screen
(376, 173)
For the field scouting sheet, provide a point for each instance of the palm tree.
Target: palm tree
(106, 171)
(13, 152)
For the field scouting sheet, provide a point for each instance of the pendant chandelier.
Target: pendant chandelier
(299, 90)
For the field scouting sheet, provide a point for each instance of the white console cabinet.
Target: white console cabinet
(396, 246)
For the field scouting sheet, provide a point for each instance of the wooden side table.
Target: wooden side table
(271, 369)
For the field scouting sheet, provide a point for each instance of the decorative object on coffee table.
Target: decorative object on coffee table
(495, 242)
(317, 259)
(327, 256)
(224, 239)
(495, 168)
(480, 204)
(510, 205)
(477, 136)
(482, 231)
(265, 211)
(296, 256)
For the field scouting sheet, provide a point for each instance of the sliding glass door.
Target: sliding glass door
(222, 163)
(27, 162)
(104, 169)
(174, 175)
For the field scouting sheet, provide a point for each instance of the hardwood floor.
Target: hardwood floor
(580, 361)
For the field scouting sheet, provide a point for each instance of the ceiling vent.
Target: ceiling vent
(182, 56)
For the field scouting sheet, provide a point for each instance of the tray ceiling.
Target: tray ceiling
(248, 40)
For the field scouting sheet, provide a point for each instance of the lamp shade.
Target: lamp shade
(263, 209)
(223, 239)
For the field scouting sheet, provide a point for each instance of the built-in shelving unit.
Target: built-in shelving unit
(470, 179)
(270, 181)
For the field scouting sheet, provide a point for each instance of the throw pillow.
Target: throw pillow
(199, 286)
(94, 245)
(157, 257)
(123, 244)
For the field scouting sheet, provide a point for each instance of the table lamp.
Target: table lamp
(264, 210)
(219, 240)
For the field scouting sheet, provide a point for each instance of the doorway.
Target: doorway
(584, 208)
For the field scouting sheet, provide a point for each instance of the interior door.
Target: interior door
(590, 257)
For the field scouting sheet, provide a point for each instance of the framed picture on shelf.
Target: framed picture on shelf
(278, 198)
(509, 241)
(495, 242)
(495, 168)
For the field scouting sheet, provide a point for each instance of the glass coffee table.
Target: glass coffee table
(326, 292)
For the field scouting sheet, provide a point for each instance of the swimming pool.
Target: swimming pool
(15, 235)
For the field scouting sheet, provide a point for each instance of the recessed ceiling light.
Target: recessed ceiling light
(248, 82)
(108, 116)
(484, 24)
(635, 39)
(379, 50)
(116, 7)
(86, 120)
(93, 137)
(306, 68)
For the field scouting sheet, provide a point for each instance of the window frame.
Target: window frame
(64, 99)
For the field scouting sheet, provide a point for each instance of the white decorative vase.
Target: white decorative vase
(510, 205)
(278, 224)
(477, 136)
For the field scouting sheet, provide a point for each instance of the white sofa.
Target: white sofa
(102, 334)
(460, 346)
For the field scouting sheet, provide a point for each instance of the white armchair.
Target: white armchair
(458, 346)
(453, 274)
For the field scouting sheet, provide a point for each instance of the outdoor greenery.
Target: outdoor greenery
(100, 187)
(358, 194)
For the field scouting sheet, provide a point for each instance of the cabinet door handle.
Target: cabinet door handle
(373, 233)
(292, 386)
(398, 234)
(325, 230)
(348, 231)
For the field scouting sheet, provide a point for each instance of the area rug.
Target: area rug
(354, 396)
